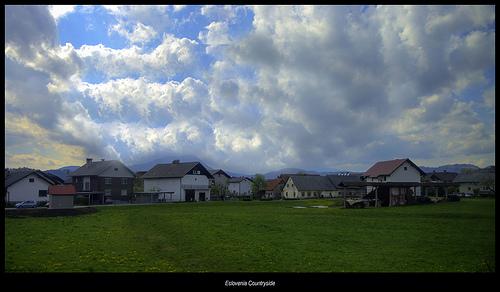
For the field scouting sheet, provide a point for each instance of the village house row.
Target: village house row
(395, 182)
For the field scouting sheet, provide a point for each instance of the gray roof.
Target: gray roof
(312, 183)
(473, 177)
(337, 179)
(237, 179)
(214, 171)
(172, 170)
(14, 177)
(442, 176)
(98, 167)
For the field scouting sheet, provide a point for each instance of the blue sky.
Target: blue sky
(250, 88)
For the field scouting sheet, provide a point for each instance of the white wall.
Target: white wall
(401, 175)
(243, 188)
(292, 190)
(165, 185)
(177, 186)
(23, 190)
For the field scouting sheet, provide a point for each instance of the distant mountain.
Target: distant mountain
(449, 168)
(63, 172)
(276, 173)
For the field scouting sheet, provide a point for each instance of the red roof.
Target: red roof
(271, 184)
(387, 167)
(62, 190)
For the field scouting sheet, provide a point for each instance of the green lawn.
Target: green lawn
(258, 237)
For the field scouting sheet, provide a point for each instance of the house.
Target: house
(476, 183)
(437, 177)
(343, 177)
(307, 186)
(273, 188)
(61, 196)
(240, 186)
(397, 174)
(27, 185)
(103, 181)
(178, 182)
(220, 184)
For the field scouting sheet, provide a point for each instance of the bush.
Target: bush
(423, 200)
(453, 198)
(81, 201)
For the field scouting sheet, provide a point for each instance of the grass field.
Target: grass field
(258, 237)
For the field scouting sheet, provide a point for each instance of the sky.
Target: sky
(250, 88)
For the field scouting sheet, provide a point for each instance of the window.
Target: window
(468, 188)
(124, 180)
(287, 194)
(385, 178)
(42, 193)
(107, 180)
(31, 180)
(107, 192)
(124, 193)
(406, 168)
(287, 185)
(116, 169)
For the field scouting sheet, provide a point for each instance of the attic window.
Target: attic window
(116, 169)
(406, 168)
(31, 180)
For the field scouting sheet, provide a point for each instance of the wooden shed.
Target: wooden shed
(61, 196)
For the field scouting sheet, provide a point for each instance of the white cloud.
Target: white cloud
(178, 8)
(59, 11)
(140, 34)
(489, 97)
(170, 57)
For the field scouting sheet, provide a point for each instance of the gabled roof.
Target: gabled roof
(312, 183)
(441, 176)
(98, 167)
(238, 179)
(474, 177)
(337, 179)
(62, 190)
(14, 177)
(219, 171)
(272, 184)
(388, 167)
(174, 170)
(54, 177)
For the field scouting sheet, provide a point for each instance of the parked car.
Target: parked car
(26, 204)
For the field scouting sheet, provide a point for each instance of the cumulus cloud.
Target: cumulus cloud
(171, 56)
(139, 33)
(307, 86)
(59, 11)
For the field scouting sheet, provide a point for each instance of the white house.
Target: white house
(178, 182)
(394, 172)
(240, 186)
(30, 185)
(307, 187)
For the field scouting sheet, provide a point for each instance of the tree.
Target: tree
(259, 184)
(467, 170)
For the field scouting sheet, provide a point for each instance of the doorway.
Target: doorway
(202, 197)
(189, 195)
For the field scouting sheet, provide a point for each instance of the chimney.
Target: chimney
(176, 161)
(89, 160)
